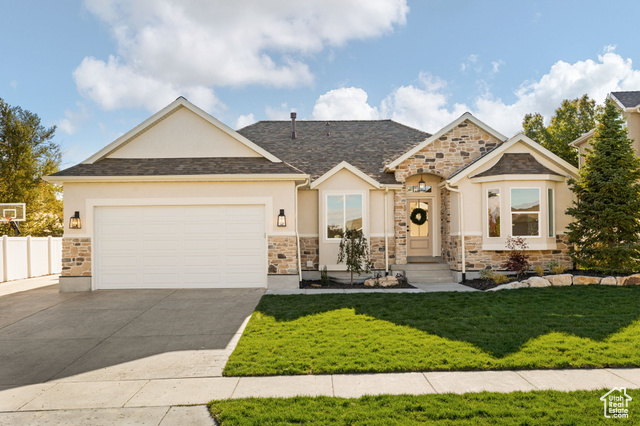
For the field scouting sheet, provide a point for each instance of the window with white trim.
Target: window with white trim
(525, 212)
(343, 212)
(493, 213)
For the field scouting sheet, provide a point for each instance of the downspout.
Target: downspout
(461, 227)
(295, 201)
(386, 236)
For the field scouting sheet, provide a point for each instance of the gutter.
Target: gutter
(386, 235)
(461, 226)
(295, 203)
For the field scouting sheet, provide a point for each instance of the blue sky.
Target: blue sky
(98, 68)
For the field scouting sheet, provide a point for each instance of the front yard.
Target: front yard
(553, 327)
(537, 407)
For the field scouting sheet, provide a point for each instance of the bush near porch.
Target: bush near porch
(532, 328)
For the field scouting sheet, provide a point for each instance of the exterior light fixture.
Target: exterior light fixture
(282, 219)
(75, 222)
(422, 185)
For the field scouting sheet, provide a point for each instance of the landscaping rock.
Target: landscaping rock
(560, 280)
(581, 280)
(632, 280)
(502, 287)
(609, 281)
(383, 282)
(520, 284)
(537, 282)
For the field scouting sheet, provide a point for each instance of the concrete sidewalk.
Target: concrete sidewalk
(154, 401)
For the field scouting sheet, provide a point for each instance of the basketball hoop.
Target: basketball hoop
(6, 219)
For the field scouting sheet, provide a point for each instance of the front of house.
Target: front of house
(183, 201)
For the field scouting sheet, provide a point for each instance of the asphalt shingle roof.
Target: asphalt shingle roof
(517, 164)
(321, 145)
(179, 166)
(628, 99)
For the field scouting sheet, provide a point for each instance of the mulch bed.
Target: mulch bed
(317, 284)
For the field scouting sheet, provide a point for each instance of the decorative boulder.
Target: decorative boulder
(520, 284)
(609, 281)
(581, 280)
(537, 282)
(388, 281)
(632, 280)
(502, 287)
(560, 280)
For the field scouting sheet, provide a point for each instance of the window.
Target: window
(525, 212)
(493, 212)
(552, 232)
(343, 212)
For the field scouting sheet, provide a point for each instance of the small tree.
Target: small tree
(518, 260)
(606, 209)
(354, 252)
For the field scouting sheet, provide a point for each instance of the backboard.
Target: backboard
(16, 211)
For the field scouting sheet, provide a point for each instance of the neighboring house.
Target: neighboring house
(184, 201)
(629, 104)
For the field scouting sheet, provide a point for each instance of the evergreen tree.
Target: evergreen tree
(571, 120)
(27, 153)
(606, 209)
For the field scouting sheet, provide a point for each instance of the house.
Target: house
(629, 105)
(184, 201)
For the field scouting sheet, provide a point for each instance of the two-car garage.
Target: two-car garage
(183, 246)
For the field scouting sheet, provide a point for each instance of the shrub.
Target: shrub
(555, 268)
(539, 270)
(324, 275)
(496, 277)
(518, 261)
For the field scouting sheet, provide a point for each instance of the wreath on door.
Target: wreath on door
(419, 216)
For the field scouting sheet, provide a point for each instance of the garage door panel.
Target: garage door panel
(180, 247)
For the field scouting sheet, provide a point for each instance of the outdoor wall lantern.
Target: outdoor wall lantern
(75, 222)
(282, 219)
(422, 185)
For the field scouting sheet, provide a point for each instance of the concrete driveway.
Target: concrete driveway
(118, 335)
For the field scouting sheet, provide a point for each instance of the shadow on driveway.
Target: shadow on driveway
(118, 334)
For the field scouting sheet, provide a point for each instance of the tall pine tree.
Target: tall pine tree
(606, 209)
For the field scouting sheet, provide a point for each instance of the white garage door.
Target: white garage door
(180, 247)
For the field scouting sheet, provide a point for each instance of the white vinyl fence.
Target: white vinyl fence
(27, 257)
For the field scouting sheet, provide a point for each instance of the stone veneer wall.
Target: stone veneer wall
(377, 252)
(282, 255)
(443, 157)
(309, 251)
(76, 256)
(477, 259)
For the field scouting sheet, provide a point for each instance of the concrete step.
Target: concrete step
(431, 274)
(429, 280)
(421, 267)
(424, 259)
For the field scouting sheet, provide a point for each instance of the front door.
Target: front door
(420, 234)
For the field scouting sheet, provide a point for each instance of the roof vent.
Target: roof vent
(293, 125)
(328, 130)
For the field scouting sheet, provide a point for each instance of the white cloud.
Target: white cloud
(347, 103)
(72, 120)
(471, 61)
(425, 105)
(168, 46)
(245, 120)
(495, 66)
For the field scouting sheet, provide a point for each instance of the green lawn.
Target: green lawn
(553, 327)
(521, 408)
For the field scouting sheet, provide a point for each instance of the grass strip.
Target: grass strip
(554, 327)
(486, 408)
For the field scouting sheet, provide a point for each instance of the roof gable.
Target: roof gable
(181, 130)
(520, 163)
(496, 153)
(464, 117)
(629, 99)
(344, 166)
